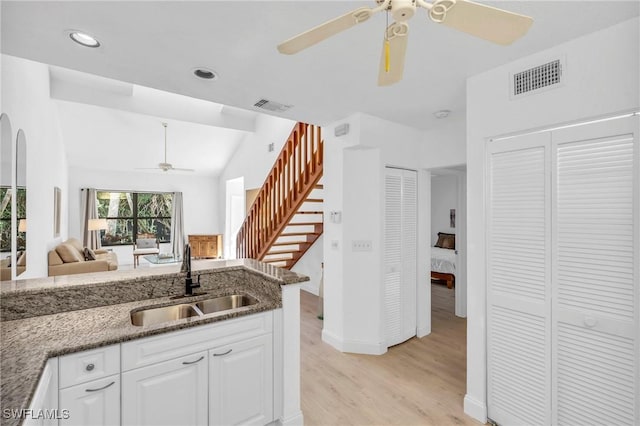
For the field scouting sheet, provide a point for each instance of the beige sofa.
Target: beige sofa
(68, 258)
(5, 269)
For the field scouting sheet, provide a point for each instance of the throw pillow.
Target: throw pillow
(89, 254)
(447, 241)
(22, 260)
(67, 253)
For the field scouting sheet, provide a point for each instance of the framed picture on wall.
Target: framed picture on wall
(452, 218)
(57, 203)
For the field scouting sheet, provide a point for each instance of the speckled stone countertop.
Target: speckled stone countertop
(28, 340)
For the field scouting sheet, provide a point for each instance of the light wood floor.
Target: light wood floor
(419, 382)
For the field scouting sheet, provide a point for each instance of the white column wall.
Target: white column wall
(602, 78)
(25, 99)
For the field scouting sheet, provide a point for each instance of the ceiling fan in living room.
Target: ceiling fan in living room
(166, 166)
(486, 22)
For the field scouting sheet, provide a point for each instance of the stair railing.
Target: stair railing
(293, 176)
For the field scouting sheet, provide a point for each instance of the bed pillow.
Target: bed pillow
(446, 241)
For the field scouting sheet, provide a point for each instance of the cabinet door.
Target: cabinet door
(241, 383)
(45, 398)
(168, 393)
(92, 404)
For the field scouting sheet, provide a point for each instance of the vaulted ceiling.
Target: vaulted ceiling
(158, 44)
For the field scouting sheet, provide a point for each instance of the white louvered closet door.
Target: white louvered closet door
(595, 274)
(399, 255)
(518, 281)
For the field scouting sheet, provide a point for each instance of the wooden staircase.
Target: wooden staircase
(287, 218)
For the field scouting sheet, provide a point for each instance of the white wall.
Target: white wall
(444, 197)
(353, 177)
(25, 98)
(199, 193)
(445, 145)
(602, 78)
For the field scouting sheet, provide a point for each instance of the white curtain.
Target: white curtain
(89, 198)
(177, 226)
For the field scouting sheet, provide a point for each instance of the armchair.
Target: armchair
(145, 244)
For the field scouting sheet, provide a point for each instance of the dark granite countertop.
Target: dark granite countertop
(27, 343)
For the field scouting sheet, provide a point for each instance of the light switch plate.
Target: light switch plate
(361, 245)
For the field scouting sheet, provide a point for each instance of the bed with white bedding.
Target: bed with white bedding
(443, 265)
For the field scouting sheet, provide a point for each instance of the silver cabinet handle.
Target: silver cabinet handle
(90, 367)
(193, 362)
(99, 389)
(226, 353)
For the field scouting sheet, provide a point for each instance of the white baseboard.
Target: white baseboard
(353, 346)
(310, 288)
(421, 332)
(475, 408)
(295, 420)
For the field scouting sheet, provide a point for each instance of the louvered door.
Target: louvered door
(518, 292)
(595, 274)
(563, 276)
(399, 255)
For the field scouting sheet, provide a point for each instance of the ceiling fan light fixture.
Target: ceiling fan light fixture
(84, 39)
(205, 73)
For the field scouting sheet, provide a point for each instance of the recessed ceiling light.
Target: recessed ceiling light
(205, 73)
(84, 39)
(443, 113)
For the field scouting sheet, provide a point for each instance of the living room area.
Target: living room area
(96, 153)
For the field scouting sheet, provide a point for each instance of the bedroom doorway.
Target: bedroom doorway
(448, 243)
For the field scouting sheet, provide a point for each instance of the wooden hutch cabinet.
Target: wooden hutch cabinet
(206, 246)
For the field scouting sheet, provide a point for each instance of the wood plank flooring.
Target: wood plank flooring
(419, 382)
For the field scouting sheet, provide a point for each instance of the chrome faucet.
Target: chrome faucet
(186, 267)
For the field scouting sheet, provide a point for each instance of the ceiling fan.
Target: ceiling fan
(165, 167)
(486, 22)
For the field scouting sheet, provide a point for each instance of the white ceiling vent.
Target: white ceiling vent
(271, 106)
(537, 79)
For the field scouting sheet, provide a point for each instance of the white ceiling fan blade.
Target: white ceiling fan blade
(392, 67)
(147, 168)
(324, 31)
(485, 22)
(178, 169)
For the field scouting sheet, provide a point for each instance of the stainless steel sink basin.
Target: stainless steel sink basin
(164, 314)
(187, 310)
(225, 303)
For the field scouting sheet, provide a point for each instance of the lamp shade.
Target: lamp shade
(22, 225)
(97, 224)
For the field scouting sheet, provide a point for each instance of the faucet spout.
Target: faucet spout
(186, 267)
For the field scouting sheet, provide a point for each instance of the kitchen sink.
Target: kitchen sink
(225, 303)
(187, 310)
(164, 314)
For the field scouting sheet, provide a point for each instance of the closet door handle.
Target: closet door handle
(99, 389)
(590, 321)
(223, 354)
(193, 362)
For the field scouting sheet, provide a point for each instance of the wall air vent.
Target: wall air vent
(537, 79)
(271, 106)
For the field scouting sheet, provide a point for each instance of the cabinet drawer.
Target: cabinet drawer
(150, 350)
(89, 365)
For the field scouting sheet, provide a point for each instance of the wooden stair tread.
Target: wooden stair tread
(277, 259)
(314, 200)
(297, 234)
(271, 253)
(291, 243)
(303, 224)
(319, 186)
(310, 212)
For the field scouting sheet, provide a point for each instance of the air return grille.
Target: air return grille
(535, 79)
(271, 106)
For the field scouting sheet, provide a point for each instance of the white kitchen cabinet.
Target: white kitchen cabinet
(96, 403)
(172, 392)
(45, 399)
(241, 382)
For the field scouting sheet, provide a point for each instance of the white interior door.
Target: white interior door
(400, 252)
(595, 274)
(518, 282)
